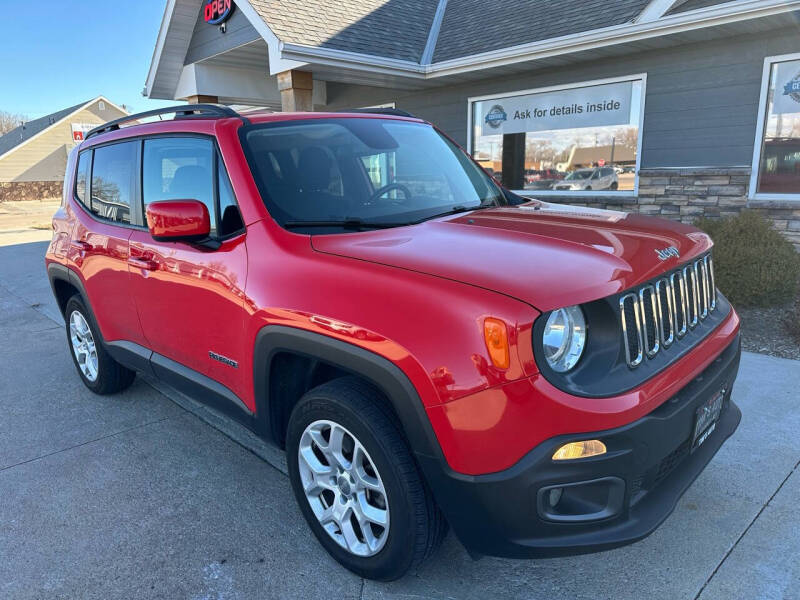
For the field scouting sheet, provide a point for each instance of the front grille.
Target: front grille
(656, 315)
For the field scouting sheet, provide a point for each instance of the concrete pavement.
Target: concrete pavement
(139, 496)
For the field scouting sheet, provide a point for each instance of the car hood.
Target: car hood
(548, 255)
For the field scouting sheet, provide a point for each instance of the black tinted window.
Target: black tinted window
(230, 219)
(113, 180)
(82, 176)
(179, 168)
(379, 170)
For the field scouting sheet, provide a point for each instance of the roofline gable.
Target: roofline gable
(651, 22)
(61, 120)
(277, 63)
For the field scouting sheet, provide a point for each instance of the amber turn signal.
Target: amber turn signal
(580, 450)
(496, 335)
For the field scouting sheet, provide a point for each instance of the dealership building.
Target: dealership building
(679, 108)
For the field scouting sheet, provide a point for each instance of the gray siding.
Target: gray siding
(208, 40)
(701, 102)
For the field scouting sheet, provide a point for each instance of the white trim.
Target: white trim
(433, 34)
(729, 12)
(762, 121)
(65, 118)
(169, 9)
(350, 60)
(277, 63)
(569, 86)
(655, 10)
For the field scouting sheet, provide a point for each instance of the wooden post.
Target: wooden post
(201, 99)
(296, 91)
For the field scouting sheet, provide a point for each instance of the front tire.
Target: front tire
(357, 483)
(97, 369)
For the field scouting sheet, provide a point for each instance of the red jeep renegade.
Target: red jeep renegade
(429, 348)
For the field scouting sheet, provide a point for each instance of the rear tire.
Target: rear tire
(97, 369)
(354, 411)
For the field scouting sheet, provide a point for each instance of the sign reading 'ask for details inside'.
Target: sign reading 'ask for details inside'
(595, 106)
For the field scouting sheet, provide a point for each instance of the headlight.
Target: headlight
(564, 338)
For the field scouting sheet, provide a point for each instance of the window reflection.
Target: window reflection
(779, 167)
(555, 140)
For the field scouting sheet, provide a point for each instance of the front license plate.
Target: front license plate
(706, 418)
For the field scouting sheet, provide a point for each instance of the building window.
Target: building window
(776, 161)
(570, 140)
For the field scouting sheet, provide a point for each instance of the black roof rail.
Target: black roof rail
(395, 112)
(183, 111)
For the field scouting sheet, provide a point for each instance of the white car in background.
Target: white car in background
(599, 178)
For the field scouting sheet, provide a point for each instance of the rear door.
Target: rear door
(190, 298)
(106, 190)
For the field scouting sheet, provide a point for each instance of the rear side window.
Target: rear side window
(180, 168)
(113, 181)
(82, 177)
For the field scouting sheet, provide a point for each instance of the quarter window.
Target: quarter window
(113, 181)
(82, 178)
(230, 219)
(776, 165)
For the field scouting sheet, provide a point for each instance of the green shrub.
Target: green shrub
(754, 264)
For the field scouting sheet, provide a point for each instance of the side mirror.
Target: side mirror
(178, 220)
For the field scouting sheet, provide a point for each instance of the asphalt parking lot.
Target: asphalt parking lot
(139, 496)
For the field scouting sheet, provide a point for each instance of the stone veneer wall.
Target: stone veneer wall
(686, 194)
(30, 190)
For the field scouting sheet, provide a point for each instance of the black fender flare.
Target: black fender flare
(59, 272)
(381, 372)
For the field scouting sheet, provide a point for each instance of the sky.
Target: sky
(55, 54)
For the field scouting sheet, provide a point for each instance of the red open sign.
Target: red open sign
(217, 11)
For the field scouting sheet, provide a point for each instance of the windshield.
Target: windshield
(362, 170)
(579, 175)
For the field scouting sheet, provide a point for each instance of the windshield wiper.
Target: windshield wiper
(459, 208)
(356, 224)
(344, 223)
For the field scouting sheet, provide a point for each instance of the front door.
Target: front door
(190, 298)
(105, 189)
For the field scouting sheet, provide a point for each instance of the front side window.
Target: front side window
(545, 140)
(776, 168)
(179, 168)
(360, 169)
(114, 170)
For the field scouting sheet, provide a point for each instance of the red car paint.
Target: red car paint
(406, 294)
(178, 218)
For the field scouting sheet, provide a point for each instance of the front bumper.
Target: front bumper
(627, 492)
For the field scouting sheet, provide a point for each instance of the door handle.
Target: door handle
(143, 263)
(81, 245)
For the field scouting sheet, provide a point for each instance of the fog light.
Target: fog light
(584, 449)
(555, 496)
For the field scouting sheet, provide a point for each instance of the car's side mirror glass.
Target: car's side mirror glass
(178, 221)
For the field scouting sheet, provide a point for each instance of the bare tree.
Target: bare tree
(9, 121)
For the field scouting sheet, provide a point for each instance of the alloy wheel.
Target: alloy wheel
(343, 488)
(83, 345)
